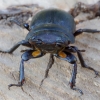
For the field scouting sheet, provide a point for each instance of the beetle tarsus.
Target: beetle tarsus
(96, 74)
(42, 82)
(5, 51)
(76, 89)
(90, 68)
(80, 31)
(18, 85)
(84, 65)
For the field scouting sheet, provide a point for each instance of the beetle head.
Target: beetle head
(49, 42)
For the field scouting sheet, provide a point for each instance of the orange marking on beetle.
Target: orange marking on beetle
(36, 53)
(62, 54)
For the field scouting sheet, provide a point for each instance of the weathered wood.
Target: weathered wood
(55, 86)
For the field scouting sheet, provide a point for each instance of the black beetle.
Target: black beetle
(51, 31)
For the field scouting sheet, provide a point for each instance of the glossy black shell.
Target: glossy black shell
(55, 20)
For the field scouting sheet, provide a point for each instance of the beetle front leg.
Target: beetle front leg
(25, 57)
(23, 42)
(71, 59)
(21, 75)
(80, 31)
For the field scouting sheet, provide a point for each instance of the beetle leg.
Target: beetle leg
(75, 49)
(72, 80)
(80, 31)
(21, 79)
(23, 42)
(84, 65)
(51, 61)
(71, 59)
(25, 57)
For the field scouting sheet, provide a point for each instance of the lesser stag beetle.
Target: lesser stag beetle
(52, 31)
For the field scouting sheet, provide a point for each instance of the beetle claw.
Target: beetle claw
(42, 82)
(18, 85)
(96, 74)
(72, 86)
(79, 90)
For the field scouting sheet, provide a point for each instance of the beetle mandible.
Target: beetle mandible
(51, 31)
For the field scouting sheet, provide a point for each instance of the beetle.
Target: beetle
(52, 31)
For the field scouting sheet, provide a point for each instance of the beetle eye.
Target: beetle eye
(58, 45)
